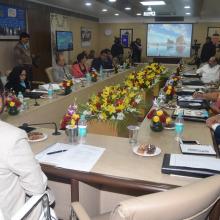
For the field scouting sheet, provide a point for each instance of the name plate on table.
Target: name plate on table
(197, 149)
(193, 82)
(190, 165)
(191, 75)
(191, 103)
(192, 114)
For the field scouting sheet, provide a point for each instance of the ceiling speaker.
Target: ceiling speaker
(172, 18)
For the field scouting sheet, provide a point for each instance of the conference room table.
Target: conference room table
(119, 169)
(52, 110)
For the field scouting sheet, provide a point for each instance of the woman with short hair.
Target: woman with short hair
(79, 69)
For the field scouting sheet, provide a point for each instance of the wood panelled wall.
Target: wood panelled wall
(38, 22)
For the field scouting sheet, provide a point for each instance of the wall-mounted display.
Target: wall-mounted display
(169, 40)
(64, 40)
(12, 22)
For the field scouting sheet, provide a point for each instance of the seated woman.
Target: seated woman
(17, 80)
(60, 71)
(79, 69)
(20, 173)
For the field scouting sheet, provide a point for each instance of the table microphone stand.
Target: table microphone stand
(56, 132)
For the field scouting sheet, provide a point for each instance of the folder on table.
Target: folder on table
(190, 165)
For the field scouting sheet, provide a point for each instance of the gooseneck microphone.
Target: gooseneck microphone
(56, 132)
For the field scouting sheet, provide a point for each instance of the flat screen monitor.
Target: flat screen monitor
(169, 40)
(64, 40)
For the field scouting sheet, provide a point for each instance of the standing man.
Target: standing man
(117, 50)
(136, 50)
(23, 55)
(208, 50)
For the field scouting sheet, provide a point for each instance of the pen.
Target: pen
(56, 152)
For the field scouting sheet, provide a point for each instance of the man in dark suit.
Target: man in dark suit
(208, 50)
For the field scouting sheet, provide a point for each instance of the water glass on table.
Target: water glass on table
(133, 133)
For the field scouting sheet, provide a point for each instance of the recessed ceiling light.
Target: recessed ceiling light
(127, 8)
(138, 14)
(104, 10)
(149, 8)
(116, 14)
(88, 3)
(187, 6)
(188, 13)
(146, 3)
(112, 0)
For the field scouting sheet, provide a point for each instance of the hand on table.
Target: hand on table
(198, 95)
(213, 120)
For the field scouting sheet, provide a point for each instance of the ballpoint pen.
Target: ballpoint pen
(56, 152)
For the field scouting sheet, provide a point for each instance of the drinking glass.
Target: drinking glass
(133, 133)
(72, 133)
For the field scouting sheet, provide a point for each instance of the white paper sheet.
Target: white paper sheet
(79, 157)
(202, 162)
(197, 149)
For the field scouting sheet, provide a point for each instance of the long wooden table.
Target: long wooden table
(120, 167)
(54, 109)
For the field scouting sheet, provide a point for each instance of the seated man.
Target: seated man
(61, 70)
(214, 123)
(20, 173)
(100, 61)
(210, 72)
(108, 63)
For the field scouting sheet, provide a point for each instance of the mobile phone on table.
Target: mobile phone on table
(189, 142)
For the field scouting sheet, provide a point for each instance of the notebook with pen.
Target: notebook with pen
(190, 165)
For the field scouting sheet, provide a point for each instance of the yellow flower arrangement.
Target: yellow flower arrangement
(145, 77)
(113, 102)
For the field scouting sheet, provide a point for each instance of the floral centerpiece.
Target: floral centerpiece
(159, 118)
(112, 103)
(169, 92)
(145, 77)
(67, 85)
(12, 104)
(111, 110)
(94, 75)
(70, 118)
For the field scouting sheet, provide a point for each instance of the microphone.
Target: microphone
(56, 132)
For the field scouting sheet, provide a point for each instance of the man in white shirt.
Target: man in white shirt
(210, 72)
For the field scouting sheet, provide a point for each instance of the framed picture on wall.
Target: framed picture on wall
(126, 36)
(214, 33)
(86, 37)
(12, 22)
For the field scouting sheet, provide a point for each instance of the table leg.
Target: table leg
(74, 190)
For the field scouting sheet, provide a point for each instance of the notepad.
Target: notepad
(79, 157)
(197, 149)
(190, 165)
(190, 161)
